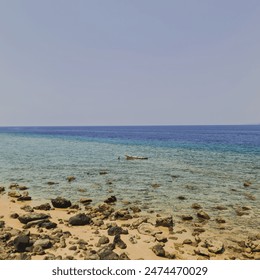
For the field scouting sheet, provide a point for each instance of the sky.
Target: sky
(129, 62)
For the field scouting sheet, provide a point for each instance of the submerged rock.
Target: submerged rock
(60, 202)
(71, 178)
(203, 215)
(111, 199)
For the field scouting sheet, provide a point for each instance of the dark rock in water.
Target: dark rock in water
(21, 242)
(247, 184)
(14, 194)
(119, 242)
(116, 230)
(71, 178)
(80, 220)
(60, 202)
(111, 199)
(14, 186)
(159, 250)
(22, 188)
(203, 215)
(24, 198)
(85, 201)
(2, 189)
(196, 206)
(220, 207)
(155, 186)
(181, 197)
(24, 219)
(103, 172)
(45, 207)
(220, 220)
(50, 183)
(164, 222)
(187, 217)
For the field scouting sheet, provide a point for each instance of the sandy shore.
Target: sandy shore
(106, 232)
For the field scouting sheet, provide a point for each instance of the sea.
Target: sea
(208, 165)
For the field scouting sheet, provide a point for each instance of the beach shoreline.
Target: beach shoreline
(109, 232)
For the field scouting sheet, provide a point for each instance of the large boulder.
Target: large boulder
(80, 219)
(60, 202)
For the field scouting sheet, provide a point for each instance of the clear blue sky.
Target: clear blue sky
(125, 62)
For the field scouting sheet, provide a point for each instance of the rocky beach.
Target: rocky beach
(59, 229)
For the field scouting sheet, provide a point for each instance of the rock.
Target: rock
(80, 219)
(220, 207)
(161, 238)
(123, 256)
(250, 196)
(181, 197)
(103, 240)
(202, 251)
(148, 229)
(45, 207)
(220, 220)
(71, 178)
(111, 199)
(164, 222)
(21, 242)
(44, 243)
(2, 224)
(103, 172)
(247, 184)
(35, 223)
(115, 230)
(24, 198)
(85, 201)
(14, 194)
(48, 225)
(106, 253)
(119, 242)
(187, 241)
(22, 188)
(203, 215)
(138, 222)
(50, 183)
(214, 246)
(60, 202)
(196, 206)
(73, 248)
(27, 208)
(38, 250)
(24, 219)
(14, 216)
(2, 189)
(155, 186)
(135, 209)
(187, 217)
(122, 214)
(97, 222)
(158, 250)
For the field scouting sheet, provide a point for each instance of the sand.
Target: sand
(186, 240)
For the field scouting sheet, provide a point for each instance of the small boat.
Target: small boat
(134, 157)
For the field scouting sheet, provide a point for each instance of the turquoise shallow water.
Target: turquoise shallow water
(205, 170)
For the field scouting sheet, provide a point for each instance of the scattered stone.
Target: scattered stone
(22, 188)
(135, 209)
(24, 219)
(115, 230)
(50, 183)
(202, 251)
(44, 243)
(138, 222)
(14, 194)
(2, 224)
(187, 217)
(24, 198)
(27, 208)
(103, 240)
(214, 246)
(111, 199)
(45, 207)
(164, 222)
(60, 202)
(220, 207)
(124, 256)
(85, 201)
(2, 189)
(187, 241)
(48, 225)
(148, 229)
(119, 242)
(71, 178)
(21, 242)
(106, 253)
(220, 220)
(80, 220)
(155, 186)
(181, 197)
(247, 184)
(122, 214)
(203, 215)
(158, 250)
(73, 248)
(250, 196)
(97, 222)
(196, 206)
(161, 238)
(103, 172)
(14, 216)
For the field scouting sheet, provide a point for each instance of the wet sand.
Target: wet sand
(112, 233)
